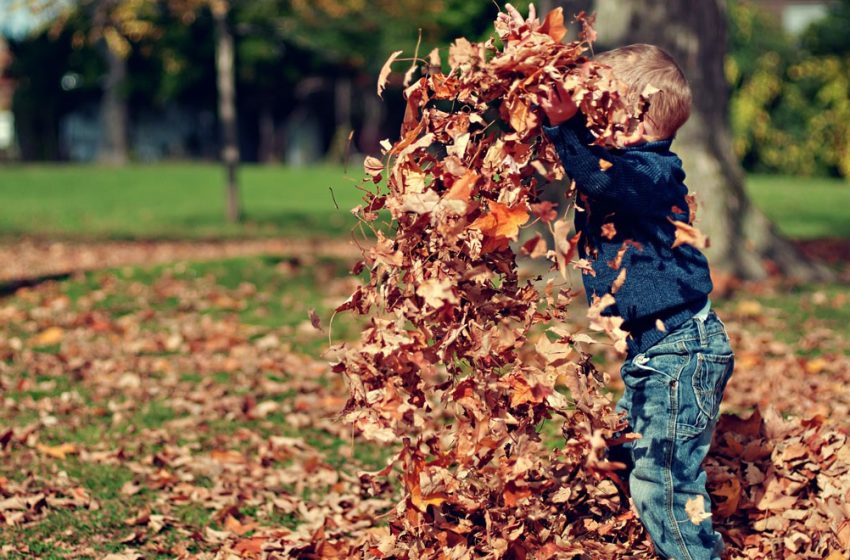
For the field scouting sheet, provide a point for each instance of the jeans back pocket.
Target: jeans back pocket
(709, 380)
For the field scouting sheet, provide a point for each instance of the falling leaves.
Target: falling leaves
(444, 363)
(690, 235)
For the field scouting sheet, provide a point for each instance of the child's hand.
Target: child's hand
(557, 103)
(511, 26)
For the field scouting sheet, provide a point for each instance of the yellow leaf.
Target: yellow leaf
(52, 335)
(59, 451)
(816, 366)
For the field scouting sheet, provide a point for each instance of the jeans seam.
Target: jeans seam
(668, 471)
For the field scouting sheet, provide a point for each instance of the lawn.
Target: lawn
(186, 201)
(804, 207)
(173, 201)
(161, 409)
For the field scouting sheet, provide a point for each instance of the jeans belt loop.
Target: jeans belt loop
(703, 337)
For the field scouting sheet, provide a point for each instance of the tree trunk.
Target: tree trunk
(226, 80)
(342, 114)
(113, 110)
(369, 139)
(268, 152)
(743, 242)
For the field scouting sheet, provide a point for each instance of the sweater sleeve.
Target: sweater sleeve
(633, 182)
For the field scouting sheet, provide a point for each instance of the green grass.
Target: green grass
(187, 201)
(173, 201)
(803, 207)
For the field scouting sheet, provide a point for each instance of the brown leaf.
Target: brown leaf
(731, 491)
(546, 211)
(384, 74)
(315, 321)
(688, 234)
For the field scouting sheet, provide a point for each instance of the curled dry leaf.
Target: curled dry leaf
(384, 75)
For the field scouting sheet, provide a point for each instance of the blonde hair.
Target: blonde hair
(640, 65)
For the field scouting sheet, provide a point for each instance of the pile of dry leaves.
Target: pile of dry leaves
(462, 362)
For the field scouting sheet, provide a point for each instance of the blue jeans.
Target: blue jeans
(672, 398)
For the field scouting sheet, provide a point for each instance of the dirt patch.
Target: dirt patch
(28, 259)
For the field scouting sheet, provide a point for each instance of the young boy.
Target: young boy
(679, 358)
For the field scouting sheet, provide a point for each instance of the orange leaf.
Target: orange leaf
(59, 451)
(513, 494)
(235, 526)
(609, 231)
(250, 547)
(688, 234)
(553, 25)
(502, 221)
(227, 456)
(619, 281)
(521, 391)
(462, 188)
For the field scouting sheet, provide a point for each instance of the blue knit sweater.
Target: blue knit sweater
(637, 195)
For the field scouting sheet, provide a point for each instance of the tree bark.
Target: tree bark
(113, 103)
(743, 242)
(339, 147)
(226, 81)
(268, 148)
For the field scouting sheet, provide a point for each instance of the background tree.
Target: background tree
(743, 241)
(113, 27)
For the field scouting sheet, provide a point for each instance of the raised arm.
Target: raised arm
(635, 181)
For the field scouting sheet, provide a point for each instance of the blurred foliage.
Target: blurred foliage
(286, 50)
(790, 96)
